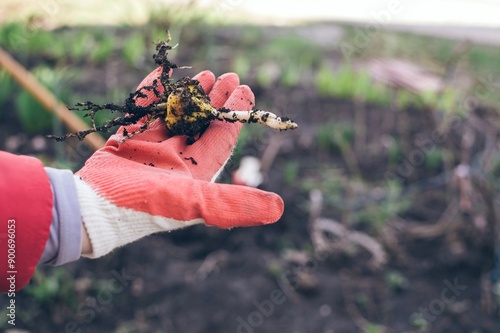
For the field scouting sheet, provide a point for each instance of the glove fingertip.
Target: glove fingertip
(229, 77)
(242, 206)
(206, 79)
(223, 88)
(275, 208)
(242, 98)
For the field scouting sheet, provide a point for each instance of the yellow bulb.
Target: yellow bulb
(188, 109)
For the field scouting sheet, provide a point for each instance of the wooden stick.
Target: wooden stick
(47, 99)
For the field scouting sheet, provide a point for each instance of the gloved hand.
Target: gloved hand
(153, 182)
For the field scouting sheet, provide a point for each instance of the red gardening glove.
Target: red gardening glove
(154, 182)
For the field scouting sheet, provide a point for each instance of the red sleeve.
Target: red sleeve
(25, 218)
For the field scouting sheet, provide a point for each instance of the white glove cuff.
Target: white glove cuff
(110, 226)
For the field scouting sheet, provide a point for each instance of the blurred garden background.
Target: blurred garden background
(390, 183)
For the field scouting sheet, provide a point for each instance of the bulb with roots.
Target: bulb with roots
(189, 112)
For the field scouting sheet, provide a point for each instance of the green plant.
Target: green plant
(395, 151)
(335, 136)
(125, 327)
(33, 116)
(285, 59)
(251, 35)
(294, 50)
(324, 136)
(368, 91)
(484, 60)
(133, 49)
(156, 33)
(81, 45)
(372, 328)
(330, 181)
(339, 136)
(362, 300)
(51, 289)
(395, 281)
(404, 99)
(43, 42)
(429, 98)
(495, 166)
(25, 40)
(14, 36)
(267, 74)
(347, 83)
(448, 101)
(291, 172)
(434, 158)
(362, 86)
(291, 77)
(376, 214)
(241, 66)
(274, 269)
(344, 87)
(477, 61)
(6, 89)
(419, 322)
(103, 49)
(325, 81)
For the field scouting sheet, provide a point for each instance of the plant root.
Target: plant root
(256, 116)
